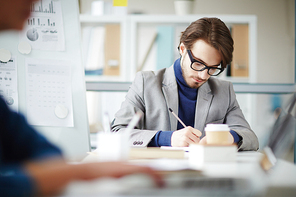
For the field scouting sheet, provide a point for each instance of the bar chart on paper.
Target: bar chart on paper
(41, 22)
(44, 29)
(43, 6)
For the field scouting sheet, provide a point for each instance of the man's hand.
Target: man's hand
(115, 169)
(186, 136)
(203, 141)
(51, 176)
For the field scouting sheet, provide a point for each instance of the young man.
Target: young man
(29, 164)
(190, 90)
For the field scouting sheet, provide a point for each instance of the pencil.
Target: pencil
(177, 117)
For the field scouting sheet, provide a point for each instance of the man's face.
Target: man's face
(13, 13)
(203, 52)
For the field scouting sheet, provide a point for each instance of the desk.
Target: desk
(280, 181)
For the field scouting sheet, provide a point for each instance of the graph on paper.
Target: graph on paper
(41, 22)
(44, 29)
(8, 83)
(43, 6)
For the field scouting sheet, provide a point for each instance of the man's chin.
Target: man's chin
(197, 85)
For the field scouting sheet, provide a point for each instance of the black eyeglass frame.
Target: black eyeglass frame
(205, 66)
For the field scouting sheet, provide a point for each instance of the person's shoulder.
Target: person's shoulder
(152, 75)
(219, 86)
(213, 81)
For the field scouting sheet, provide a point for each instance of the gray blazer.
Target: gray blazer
(154, 92)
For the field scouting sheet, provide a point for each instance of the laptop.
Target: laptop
(194, 183)
(282, 136)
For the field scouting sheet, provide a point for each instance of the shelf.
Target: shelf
(101, 86)
(85, 18)
(241, 19)
(104, 86)
(101, 78)
(129, 32)
(238, 19)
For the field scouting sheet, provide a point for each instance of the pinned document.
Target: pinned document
(8, 83)
(120, 3)
(48, 92)
(44, 29)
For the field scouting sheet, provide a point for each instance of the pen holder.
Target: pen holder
(199, 155)
(112, 146)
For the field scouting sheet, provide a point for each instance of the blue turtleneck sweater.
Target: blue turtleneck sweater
(186, 111)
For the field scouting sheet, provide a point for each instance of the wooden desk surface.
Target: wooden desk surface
(155, 153)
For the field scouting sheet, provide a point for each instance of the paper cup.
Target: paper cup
(217, 134)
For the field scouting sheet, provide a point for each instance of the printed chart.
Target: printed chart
(44, 29)
(8, 83)
(49, 93)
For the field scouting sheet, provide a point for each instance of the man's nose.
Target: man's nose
(203, 74)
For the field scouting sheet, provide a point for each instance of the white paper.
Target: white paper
(8, 83)
(44, 29)
(165, 164)
(48, 85)
(175, 148)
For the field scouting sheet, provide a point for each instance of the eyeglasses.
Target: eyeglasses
(199, 66)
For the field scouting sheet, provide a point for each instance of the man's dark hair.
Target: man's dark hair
(214, 32)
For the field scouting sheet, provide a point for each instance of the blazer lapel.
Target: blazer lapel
(203, 103)
(170, 92)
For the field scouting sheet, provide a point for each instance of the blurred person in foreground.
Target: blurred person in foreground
(29, 164)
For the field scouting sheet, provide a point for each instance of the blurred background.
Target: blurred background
(119, 41)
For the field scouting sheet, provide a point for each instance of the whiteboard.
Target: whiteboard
(74, 141)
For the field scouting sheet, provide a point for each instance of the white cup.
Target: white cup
(112, 146)
(183, 7)
(97, 8)
(218, 134)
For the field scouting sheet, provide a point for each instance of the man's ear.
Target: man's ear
(182, 49)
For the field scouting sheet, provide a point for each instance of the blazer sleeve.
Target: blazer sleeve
(134, 101)
(237, 122)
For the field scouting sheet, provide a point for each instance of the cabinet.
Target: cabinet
(133, 54)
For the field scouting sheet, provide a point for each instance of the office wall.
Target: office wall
(276, 29)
